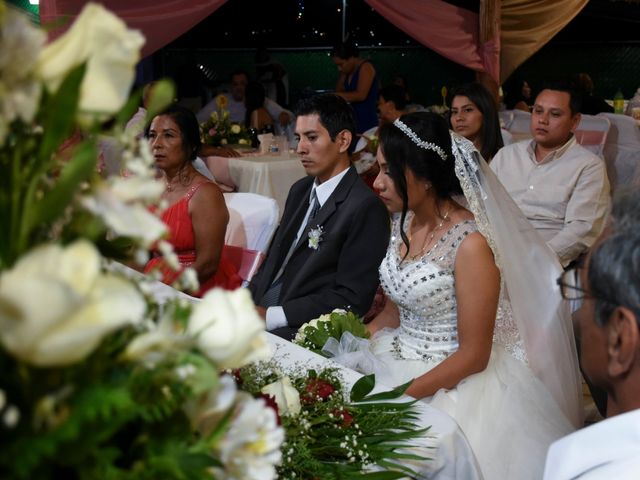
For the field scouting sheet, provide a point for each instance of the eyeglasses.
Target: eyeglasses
(569, 283)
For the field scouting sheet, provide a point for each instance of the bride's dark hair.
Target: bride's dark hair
(401, 153)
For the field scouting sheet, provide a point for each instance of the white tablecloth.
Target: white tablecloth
(450, 456)
(267, 175)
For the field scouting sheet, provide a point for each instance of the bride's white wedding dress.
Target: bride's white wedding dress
(507, 414)
(530, 393)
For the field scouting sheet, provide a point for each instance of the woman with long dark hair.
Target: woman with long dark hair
(474, 116)
(197, 215)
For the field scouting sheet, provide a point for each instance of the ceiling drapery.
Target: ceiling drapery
(526, 26)
(446, 29)
(160, 21)
(478, 41)
(496, 41)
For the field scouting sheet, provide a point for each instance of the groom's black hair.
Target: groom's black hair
(335, 113)
(402, 153)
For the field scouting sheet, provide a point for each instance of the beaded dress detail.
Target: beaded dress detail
(423, 290)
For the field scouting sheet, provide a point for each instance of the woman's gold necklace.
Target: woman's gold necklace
(428, 238)
(171, 186)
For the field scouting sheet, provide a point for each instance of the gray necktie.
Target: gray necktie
(272, 296)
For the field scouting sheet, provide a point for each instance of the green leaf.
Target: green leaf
(390, 395)
(388, 475)
(129, 108)
(54, 202)
(59, 112)
(317, 336)
(362, 387)
(161, 95)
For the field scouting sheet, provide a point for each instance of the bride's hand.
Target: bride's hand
(388, 317)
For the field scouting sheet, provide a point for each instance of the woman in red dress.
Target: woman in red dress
(197, 215)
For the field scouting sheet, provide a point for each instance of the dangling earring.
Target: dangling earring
(427, 186)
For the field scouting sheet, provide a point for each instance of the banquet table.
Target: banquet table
(268, 175)
(449, 455)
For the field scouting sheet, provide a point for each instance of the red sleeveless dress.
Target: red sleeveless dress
(181, 236)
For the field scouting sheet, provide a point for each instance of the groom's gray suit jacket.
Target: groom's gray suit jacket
(343, 271)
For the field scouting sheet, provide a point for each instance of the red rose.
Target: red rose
(347, 418)
(270, 400)
(317, 388)
(237, 377)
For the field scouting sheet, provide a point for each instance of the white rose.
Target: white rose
(287, 397)
(250, 448)
(135, 188)
(223, 141)
(56, 306)
(228, 329)
(235, 128)
(206, 411)
(21, 43)
(243, 141)
(161, 337)
(110, 50)
(128, 220)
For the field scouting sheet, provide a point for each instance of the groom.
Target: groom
(334, 230)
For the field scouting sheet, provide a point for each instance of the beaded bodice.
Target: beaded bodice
(424, 291)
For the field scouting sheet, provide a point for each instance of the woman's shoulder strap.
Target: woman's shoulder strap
(195, 188)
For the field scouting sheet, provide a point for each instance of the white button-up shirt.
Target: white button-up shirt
(565, 196)
(607, 450)
(275, 317)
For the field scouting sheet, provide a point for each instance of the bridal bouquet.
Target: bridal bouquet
(315, 334)
(331, 431)
(220, 130)
(99, 380)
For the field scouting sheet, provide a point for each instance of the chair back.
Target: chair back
(592, 133)
(253, 219)
(516, 121)
(622, 151)
(246, 262)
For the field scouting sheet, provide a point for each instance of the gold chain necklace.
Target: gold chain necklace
(430, 237)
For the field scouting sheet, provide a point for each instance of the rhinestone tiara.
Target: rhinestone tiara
(421, 143)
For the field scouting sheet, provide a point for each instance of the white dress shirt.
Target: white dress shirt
(275, 315)
(607, 450)
(565, 196)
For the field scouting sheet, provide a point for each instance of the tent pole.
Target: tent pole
(344, 20)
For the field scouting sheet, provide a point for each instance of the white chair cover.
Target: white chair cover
(253, 220)
(622, 151)
(202, 168)
(516, 121)
(592, 133)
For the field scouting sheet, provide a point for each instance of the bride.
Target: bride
(500, 361)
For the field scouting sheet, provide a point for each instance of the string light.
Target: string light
(300, 9)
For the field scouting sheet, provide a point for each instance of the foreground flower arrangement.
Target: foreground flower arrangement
(98, 379)
(101, 379)
(333, 433)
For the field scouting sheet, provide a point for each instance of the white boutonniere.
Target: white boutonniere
(315, 237)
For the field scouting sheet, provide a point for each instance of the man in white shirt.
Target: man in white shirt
(608, 325)
(236, 105)
(561, 187)
(334, 230)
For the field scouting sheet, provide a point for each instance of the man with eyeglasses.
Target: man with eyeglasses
(608, 324)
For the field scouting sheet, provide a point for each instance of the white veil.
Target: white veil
(529, 271)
